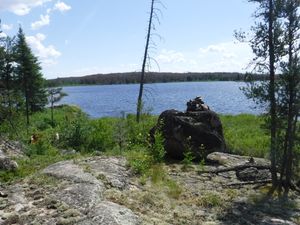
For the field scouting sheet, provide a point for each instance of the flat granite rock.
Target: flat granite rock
(81, 196)
(112, 170)
(83, 185)
(230, 160)
(110, 213)
(68, 170)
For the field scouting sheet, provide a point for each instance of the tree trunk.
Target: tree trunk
(272, 94)
(291, 107)
(142, 81)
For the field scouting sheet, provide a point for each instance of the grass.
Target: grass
(244, 135)
(210, 200)
(32, 165)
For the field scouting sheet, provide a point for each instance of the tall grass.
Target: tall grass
(244, 135)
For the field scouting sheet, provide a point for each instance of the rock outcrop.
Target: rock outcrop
(8, 150)
(198, 129)
(87, 180)
(70, 192)
(102, 190)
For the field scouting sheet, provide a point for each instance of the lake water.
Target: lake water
(110, 100)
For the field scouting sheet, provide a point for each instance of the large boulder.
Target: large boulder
(198, 129)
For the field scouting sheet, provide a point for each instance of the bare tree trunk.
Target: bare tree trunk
(26, 101)
(142, 81)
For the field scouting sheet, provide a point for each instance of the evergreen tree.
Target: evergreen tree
(268, 50)
(11, 100)
(289, 93)
(276, 47)
(29, 77)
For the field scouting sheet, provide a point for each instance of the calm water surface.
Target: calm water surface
(111, 100)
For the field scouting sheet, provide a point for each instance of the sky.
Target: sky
(76, 38)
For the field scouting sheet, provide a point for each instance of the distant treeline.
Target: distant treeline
(151, 77)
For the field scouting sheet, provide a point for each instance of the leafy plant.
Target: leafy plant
(188, 155)
(139, 160)
(157, 148)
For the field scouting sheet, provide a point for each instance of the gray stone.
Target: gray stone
(230, 160)
(253, 174)
(69, 171)
(82, 196)
(8, 164)
(112, 170)
(110, 213)
(10, 148)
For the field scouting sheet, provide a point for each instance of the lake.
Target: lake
(223, 97)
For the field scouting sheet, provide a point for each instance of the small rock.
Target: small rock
(3, 195)
(12, 219)
(253, 174)
(7, 164)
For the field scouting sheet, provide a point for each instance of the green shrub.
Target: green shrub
(157, 148)
(138, 133)
(76, 133)
(101, 136)
(139, 160)
(41, 147)
(188, 155)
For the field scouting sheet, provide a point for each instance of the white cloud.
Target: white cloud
(61, 6)
(219, 57)
(44, 21)
(20, 7)
(47, 54)
(170, 56)
(3, 35)
(7, 26)
(213, 48)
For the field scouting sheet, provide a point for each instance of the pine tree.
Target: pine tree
(289, 92)
(29, 76)
(276, 47)
(268, 50)
(11, 100)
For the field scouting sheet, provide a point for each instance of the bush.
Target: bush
(139, 160)
(101, 136)
(76, 133)
(157, 148)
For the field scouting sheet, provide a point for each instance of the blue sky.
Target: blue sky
(73, 37)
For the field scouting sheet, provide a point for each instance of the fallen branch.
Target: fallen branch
(294, 187)
(236, 168)
(249, 183)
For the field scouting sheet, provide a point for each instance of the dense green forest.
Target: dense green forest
(151, 77)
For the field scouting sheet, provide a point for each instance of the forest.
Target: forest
(151, 77)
